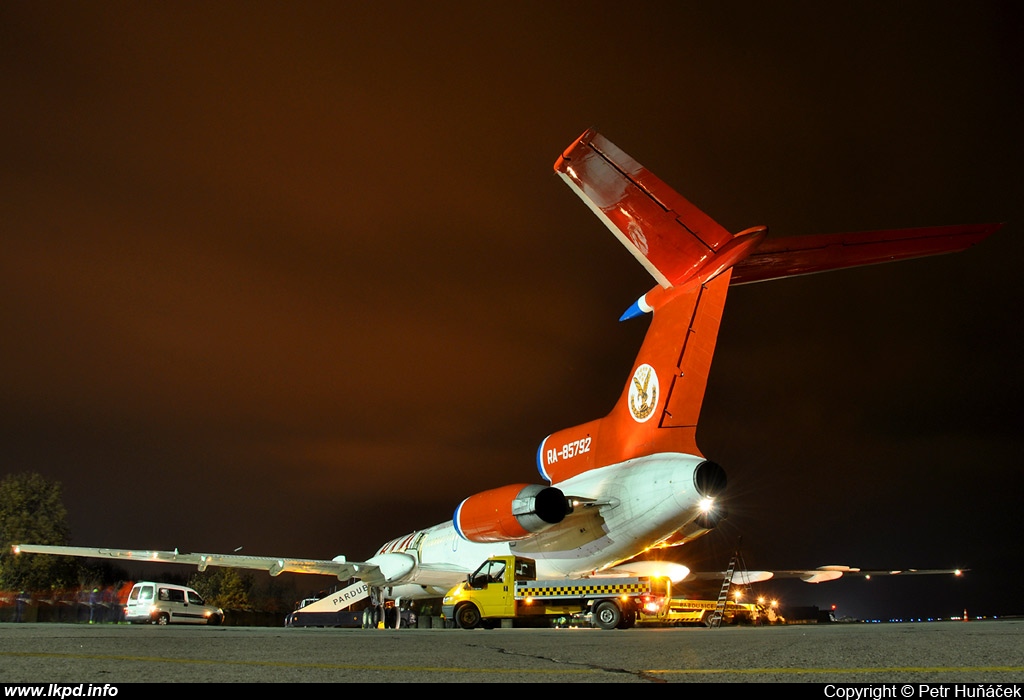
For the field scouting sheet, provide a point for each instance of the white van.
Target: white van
(168, 603)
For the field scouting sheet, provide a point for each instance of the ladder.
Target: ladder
(723, 595)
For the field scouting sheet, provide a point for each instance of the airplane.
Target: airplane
(634, 481)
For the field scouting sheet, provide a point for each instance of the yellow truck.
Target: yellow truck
(505, 591)
(689, 611)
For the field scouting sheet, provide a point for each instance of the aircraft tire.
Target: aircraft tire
(370, 618)
(607, 615)
(467, 616)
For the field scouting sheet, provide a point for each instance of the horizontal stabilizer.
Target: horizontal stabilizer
(674, 240)
(804, 255)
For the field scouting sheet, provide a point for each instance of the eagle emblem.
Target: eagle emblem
(643, 393)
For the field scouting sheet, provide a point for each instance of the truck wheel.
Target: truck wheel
(163, 619)
(468, 616)
(608, 615)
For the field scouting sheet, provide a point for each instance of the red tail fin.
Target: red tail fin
(660, 405)
(693, 259)
(689, 254)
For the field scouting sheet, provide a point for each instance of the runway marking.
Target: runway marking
(559, 670)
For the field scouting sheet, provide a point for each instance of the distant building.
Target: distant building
(807, 615)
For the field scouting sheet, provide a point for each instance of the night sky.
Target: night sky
(298, 277)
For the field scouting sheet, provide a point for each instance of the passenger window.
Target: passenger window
(165, 594)
(194, 599)
(177, 596)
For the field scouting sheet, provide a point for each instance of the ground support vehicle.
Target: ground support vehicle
(337, 618)
(331, 610)
(505, 591)
(688, 611)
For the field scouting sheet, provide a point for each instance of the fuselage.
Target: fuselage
(621, 510)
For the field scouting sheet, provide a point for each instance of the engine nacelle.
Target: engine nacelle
(393, 565)
(512, 512)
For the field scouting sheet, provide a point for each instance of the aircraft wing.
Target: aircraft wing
(338, 566)
(804, 255)
(819, 575)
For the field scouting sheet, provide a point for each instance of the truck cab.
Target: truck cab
(487, 594)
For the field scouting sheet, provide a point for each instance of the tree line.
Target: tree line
(32, 510)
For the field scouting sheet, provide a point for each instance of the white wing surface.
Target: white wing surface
(819, 575)
(338, 566)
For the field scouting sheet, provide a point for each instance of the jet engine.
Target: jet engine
(511, 512)
(709, 480)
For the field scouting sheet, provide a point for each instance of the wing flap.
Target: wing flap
(804, 255)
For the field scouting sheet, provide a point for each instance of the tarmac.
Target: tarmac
(903, 655)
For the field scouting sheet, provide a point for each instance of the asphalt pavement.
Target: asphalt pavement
(988, 652)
